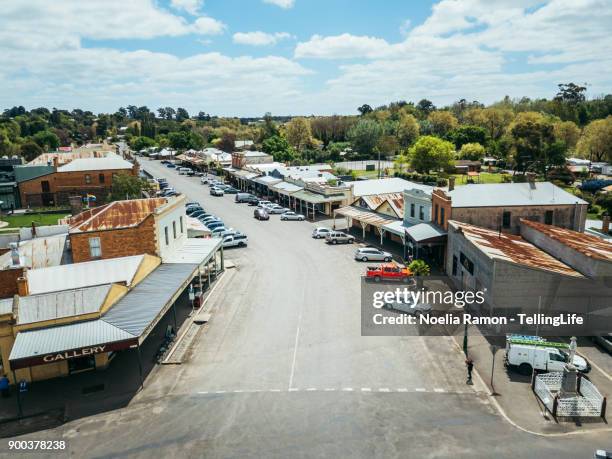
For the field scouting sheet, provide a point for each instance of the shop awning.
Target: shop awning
(424, 232)
(365, 216)
(315, 198)
(397, 228)
(54, 344)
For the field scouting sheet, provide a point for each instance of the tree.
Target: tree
(279, 148)
(596, 141)
(407, 129)
(227, 142)
(388, 145)
(30, 150)
(442, 122)
(298, 133)
(141, 143)
(531, 133)
(493, 120)
(181, 114)
(431, 153)
(365, 109)
(419, 269)
(425, 107)
(468, 134)
(567, 132)
(571, 93)
(364, 136)
(47, 140)
(472, 151)
(126, 186)
(203, 116)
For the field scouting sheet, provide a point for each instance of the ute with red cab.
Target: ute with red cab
(389, 272)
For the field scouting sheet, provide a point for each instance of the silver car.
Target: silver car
(276, 209)
(372, 254)
(320, 233)
(292, 216)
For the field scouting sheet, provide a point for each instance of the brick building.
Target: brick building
(124, 228)
(54, 184)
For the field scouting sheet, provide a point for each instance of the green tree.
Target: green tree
(407, 129)
(567, 132)
(431, 153)
(279, 148)
(47, 140)
(227, 142)
(468, 134)
(532, 133)
(30, 150)
(141, 143)
(298, 133)
(364, 136)
(472, 151)
(419, 269)
(442, 122)
(365, 109)
(126, 186)
(596, 141)
(181, 114)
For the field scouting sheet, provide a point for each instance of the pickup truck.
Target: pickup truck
(389, 271)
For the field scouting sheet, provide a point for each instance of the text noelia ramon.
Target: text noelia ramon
(469, 319)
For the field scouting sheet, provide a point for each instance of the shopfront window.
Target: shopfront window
(81, 364)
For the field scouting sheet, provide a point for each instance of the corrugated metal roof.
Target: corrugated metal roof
(511, 194)
(511, 248)
(138, 309)
(25, 173)
(311, 197)
(80, 275)
(118, 214)
(384, 186)
(110, 162)
(57, 339)
(365, 216)
(395, 200)
(267, 180)
(194, 251)
(591, 246)
(6, 306)
(396, 227)
(41, 252)
(64, 157)
(424, 231)
(286, 187)
(57, 305)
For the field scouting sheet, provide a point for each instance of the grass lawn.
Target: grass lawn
(364, 173)
(17, 221)
(485, 177)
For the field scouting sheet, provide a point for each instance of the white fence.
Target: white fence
(588, 403)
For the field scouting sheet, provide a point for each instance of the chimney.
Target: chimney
(451, 183)
(605, 226)
(22, 286)
(15, 259)
(76, 205)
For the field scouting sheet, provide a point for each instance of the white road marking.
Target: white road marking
(310, 389)
(347, 389)
(295, 347)
(384, 389)
(275, 390)
(402, 389)
(421, 389)
(437, 389)
(293, 389)
(203, 392)
(220, 392)
(329, 389)
(366, 389)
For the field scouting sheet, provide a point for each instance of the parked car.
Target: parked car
(244, 197)
(409, 307)
(238, 240)
(276, 209)
(209, 219)
(204, 216)
(203, 180)
(216, 224)
(261, 214)
(198, 213)
(389, 272)
(231, 190)
(254, 201)
(320, 232)
(191, 204)
(525, 354)
(191, 173)
(214, 191)
(292, 216)
(372, 254)
(218, 231)
(605, 341)
(338, 237)
(183, 170)
(170, 166)
(263, 203)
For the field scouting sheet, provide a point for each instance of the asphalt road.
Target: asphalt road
(282, 371)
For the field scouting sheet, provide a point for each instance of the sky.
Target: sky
(296, 57)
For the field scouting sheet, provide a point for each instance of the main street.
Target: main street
(282, 370)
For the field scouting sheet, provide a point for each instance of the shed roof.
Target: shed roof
(137, 311)
(57, 305)
(117, 214)
(365, 216)
(110, 162)
(87, 274)
(6, 306)
(194, 250)
(424, 231)
(383, 186)
(57, 339)
(511, 248)
(286, 187)
(25, 173)
(511, 194)
(591, 246)
(40, 252)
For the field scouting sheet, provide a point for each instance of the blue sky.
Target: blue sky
(247, 57)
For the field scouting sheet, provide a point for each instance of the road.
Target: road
(282, 370)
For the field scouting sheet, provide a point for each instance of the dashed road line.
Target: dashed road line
(366, 389)
(384, 389)
(402, 390)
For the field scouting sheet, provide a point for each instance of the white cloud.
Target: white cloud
(285, 4)
(191, 6)
(343, 46)
(208, 26)
(259, 38)
(405, 27)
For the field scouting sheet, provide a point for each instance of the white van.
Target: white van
(527, 353)
(184, 170)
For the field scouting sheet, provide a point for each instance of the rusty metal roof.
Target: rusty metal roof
(365, 216)
(591, 246)
(511, 248)
(118, 214)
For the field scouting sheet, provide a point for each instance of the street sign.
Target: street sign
(23, 386)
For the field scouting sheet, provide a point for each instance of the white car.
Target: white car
(276, 209)
(409, 307)
(320, 232)
(203, 180)
(292, 216)
(237, 240)
(214, 191)
(372, 254)
(264, 204)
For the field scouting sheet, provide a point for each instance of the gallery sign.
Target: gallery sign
(74, 354)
